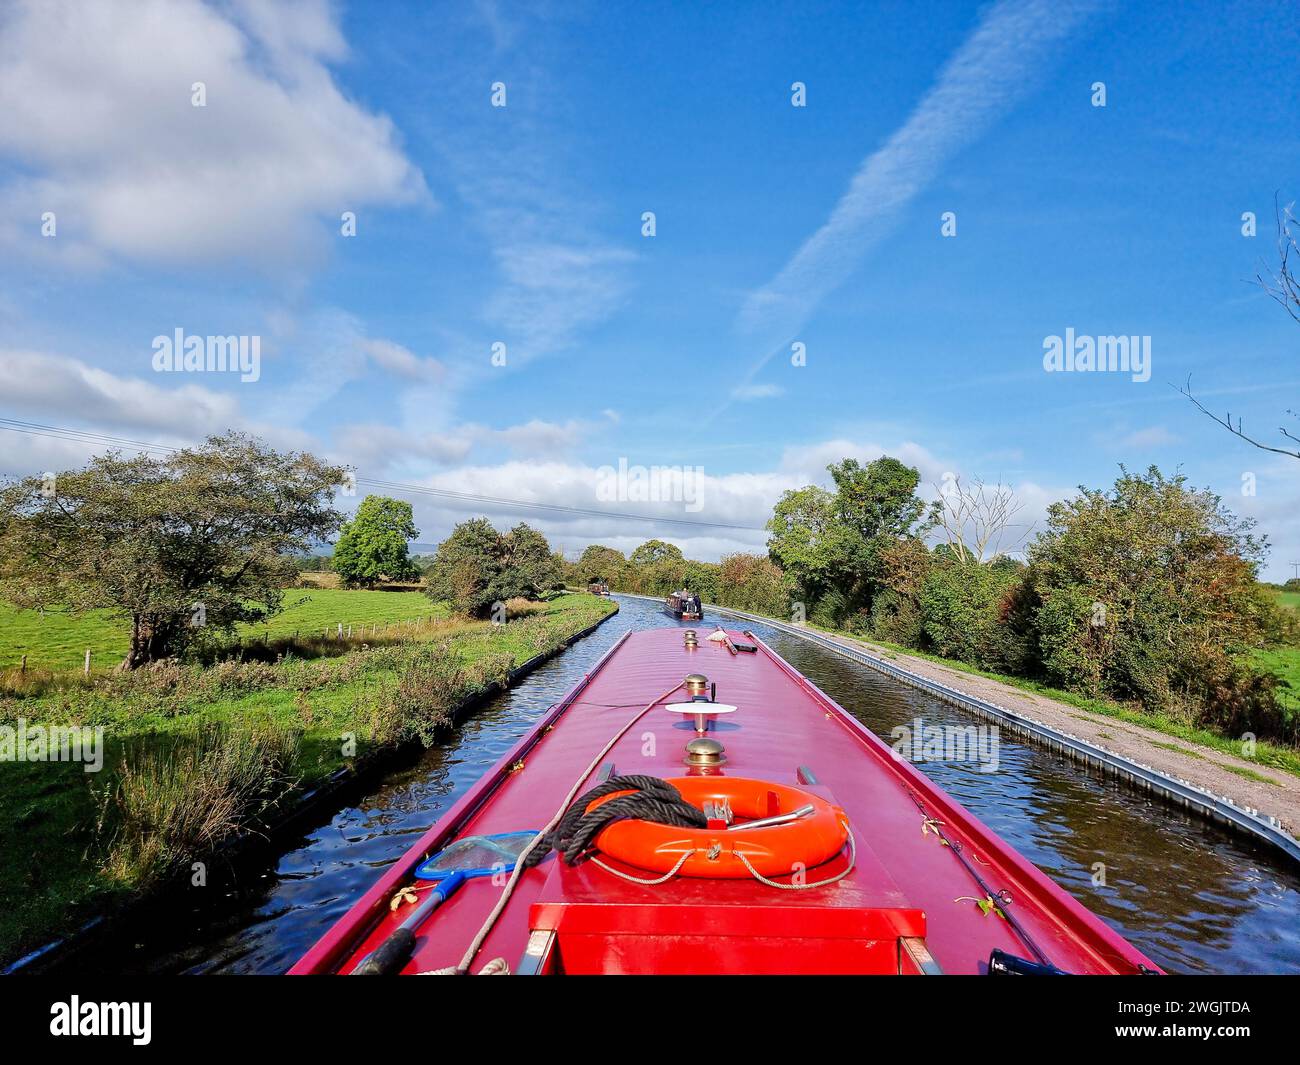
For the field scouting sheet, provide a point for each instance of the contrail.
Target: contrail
(981, 81)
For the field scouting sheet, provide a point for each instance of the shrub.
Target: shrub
(961, 611)
(754, 584)
(428, 691)
(1146, 592)
(896, 618)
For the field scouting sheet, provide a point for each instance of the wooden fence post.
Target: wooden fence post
(86, 670)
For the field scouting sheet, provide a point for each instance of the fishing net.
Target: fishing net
(476, 852)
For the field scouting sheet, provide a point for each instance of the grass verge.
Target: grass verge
(193, 756)
(1286, 759)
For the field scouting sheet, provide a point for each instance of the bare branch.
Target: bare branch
(975, 518)
(1236, 429)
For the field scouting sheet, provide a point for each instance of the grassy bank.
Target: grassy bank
(194, 755)
(57, 640)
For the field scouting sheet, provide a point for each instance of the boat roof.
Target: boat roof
(783, 723)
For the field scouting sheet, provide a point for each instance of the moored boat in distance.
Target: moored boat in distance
(684, 605)
(698, 806)
(598, 588)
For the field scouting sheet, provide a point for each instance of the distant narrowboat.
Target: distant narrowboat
(684, 605)
(598, 588)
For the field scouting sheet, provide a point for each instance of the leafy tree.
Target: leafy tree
(880, 499)
(1146, 591)
(529, 562)
(476, 566)
(810, 540)
(896, 608)
(754, 584)
(193, 542)
(833, 544)
(466, 569)
(653, 551)
(963, 613)
(600, 563)
(373, 545)
(657, 568)
(703, 578)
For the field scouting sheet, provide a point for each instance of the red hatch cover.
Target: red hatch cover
(604, 924)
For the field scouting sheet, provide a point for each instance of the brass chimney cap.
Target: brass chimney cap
(696, 683)
(705, 752)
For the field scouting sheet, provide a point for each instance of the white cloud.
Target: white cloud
(552, 291)
(58, 387)
(809, 461)
(96, 99)
(1151, 436)
(57, 390)
(374, 449)
(378, 449)
(540, 438)
(402, 362)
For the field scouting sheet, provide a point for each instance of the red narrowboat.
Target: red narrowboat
(684, 605)
(598, 588)
(698, 806)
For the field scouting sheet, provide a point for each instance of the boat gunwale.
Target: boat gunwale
(1056, 903)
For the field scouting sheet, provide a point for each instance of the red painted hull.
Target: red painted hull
(907, 903)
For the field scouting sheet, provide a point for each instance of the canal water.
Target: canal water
(1192, 896)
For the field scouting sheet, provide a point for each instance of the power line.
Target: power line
(83, 436)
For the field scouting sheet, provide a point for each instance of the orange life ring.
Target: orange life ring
(774, 850)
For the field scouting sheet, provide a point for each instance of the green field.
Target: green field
(56, 640)
(1283, 660)
(57, 867)
(1290, 600)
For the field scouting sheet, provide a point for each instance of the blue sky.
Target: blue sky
(523, 225)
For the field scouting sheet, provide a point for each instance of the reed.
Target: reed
(170, 805)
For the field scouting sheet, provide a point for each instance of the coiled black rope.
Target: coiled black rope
(652, 799)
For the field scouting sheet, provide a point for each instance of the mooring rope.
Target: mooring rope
(853, 860)
(650, 799)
